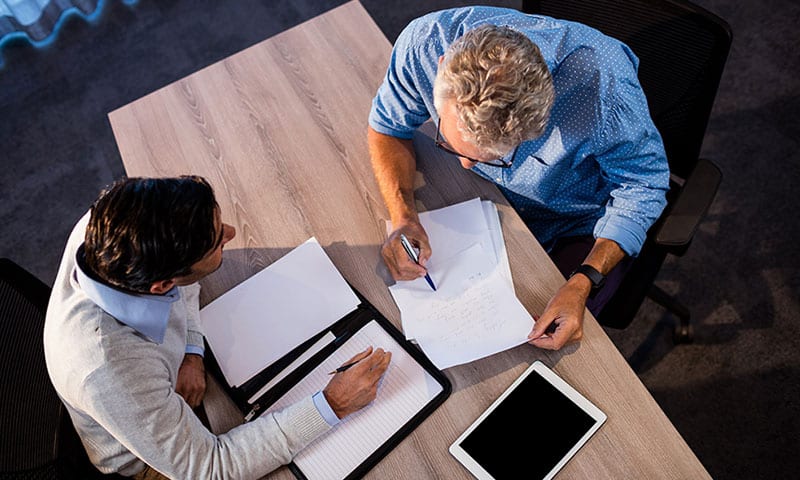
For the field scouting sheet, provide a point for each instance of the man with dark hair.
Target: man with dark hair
(124, 347)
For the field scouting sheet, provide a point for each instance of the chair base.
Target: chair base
(683, 331)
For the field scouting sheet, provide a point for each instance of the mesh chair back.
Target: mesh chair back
(682, 50)
(29, 407)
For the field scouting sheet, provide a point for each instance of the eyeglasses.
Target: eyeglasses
(497, 162)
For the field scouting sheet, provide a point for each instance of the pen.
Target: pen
(252, 412)
(342, 368)
(412, 254)
(293, 367)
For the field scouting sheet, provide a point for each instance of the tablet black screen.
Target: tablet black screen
(529, 432)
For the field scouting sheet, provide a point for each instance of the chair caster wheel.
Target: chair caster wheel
(682, 334)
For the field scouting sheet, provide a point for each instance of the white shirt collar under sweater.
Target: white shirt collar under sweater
(147, 314)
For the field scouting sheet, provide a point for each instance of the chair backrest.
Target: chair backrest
(37, 438)
(30, 410)
(682, 49)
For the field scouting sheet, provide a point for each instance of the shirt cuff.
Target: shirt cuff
(325, 409)
(392, 132)
(194, 349)
(628, 234)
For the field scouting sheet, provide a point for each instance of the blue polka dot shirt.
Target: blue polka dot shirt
(600, 166)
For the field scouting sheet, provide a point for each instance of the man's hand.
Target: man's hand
(353, 389)
(394, 165)
(192, 380)
(397, 260)
(565, 310)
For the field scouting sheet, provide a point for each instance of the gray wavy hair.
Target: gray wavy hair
(501, 87)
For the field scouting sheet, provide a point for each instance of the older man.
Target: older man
(549, 110)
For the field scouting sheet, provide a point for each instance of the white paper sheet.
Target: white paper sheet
(471, 315)
(404, 390)
(454, 228)
(326, 340)
(496, 232)
(266, 316)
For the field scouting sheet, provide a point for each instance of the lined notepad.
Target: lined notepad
(404, 391)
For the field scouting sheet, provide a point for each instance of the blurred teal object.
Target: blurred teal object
(38, 21)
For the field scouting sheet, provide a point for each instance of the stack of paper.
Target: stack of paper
(474, 311)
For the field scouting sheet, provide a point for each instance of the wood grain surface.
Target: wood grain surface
(279, 129)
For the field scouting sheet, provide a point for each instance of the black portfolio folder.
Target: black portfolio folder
(343, 329)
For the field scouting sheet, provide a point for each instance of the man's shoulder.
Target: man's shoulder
(71, 346)
(429, 36)
(83, 342)
(460, 19)
(437, 30)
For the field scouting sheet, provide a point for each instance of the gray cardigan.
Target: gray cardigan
(119, 389)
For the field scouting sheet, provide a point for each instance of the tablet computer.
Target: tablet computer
(532, 429)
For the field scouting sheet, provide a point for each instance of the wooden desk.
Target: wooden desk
(280, 131)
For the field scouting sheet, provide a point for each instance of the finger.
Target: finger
(385, 361)
(559, 338)
(545, 342)
(375, 358)
(424, 251)
(380, 359)
(575, 336)
(409, 269)
(380, 368)
(419, 240)
(189, 399)
(375, 365)
(359, 356)
(390, 261)
(541, 325)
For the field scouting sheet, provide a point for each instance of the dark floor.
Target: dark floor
(733, 393)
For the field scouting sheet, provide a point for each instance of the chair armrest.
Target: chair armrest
(691, 205)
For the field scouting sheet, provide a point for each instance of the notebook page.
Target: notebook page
(326, 339)
(404, 390)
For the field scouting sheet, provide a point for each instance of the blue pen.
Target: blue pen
(412, 254)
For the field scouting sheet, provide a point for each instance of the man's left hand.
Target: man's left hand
(192, 380)
(565, 310)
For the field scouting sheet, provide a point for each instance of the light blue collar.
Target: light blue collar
(147, 314)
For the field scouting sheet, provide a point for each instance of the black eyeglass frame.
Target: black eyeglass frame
(499, 162)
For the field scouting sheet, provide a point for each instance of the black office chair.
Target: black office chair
(37, 439)
(682, 50)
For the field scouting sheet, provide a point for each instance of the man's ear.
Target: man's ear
(162, 286)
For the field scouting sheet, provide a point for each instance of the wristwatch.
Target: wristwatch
(597, 278)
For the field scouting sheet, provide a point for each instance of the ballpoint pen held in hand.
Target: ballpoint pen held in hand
(412, 254)
(342, 368)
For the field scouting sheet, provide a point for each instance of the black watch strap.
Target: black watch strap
(594, 276)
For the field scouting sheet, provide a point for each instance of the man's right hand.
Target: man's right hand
(395, 166)
(353, 389)
(400, 265)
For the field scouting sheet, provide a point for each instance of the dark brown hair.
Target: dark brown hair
(144, 230)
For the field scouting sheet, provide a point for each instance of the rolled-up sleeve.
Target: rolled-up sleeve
(398, 108)
(194, 332)
(633, 159)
